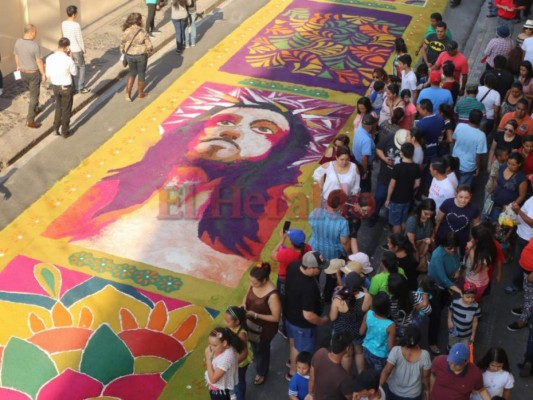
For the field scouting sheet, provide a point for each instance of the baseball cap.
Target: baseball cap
(435, 76)
(369, 119)
(335, 265)
(458, 354)
(362, 259)
(296, 236)
(469, 287)
(452, 45)
(313, 259)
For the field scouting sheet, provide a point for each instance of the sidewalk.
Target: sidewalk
(102, 71)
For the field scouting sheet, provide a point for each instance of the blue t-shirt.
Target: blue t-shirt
(377, 339)
(432, 128)
(299, 386)
(437, 96)
(363, 145)
(469, 142)
(507, 191)
(443, 266)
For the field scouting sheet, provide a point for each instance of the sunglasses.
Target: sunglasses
(509, 130)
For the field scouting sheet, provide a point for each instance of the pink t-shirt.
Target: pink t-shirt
(409, 117)
(460, 62)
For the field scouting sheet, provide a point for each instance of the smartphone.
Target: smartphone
(286, 226)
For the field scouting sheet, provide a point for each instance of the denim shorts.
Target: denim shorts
(398, 213)
(373, 361)
(304, 338)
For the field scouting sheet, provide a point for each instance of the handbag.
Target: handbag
(124, 59)
(254, 331)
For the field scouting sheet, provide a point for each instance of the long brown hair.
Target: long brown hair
(133, 19)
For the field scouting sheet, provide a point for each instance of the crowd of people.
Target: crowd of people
(429, 134)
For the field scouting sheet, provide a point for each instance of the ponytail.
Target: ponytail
(238, 314)
(227, 335)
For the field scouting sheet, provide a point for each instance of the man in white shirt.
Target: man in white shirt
(408, 75)
(441, 187)
(59, 70)
(72, 31)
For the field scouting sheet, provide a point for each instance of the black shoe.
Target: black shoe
(517, 311)
(491, 15)
(67, 134)
(525, 370)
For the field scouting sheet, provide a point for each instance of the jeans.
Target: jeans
(392, 396)
(190, 30)
(438, 301)
(240, 389)
(79, 60)
(179, 26)
(518, 275)
(33, 81)
(137, 65)
(398, 213)
(374, 362)
(63, 112)
(529, 348)
(304, 338)
(280, 285)
(380, 196)
(465, 178)
(150, 18)
(261, 352)
(528, 300)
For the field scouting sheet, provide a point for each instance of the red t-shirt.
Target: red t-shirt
(459, 61)
(528, 163)
(525, 125)
(504, 13)
(451, 386)
(287, 255)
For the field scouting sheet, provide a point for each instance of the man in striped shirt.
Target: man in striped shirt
(72, 31)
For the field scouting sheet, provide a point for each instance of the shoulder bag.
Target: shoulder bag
(124, 59)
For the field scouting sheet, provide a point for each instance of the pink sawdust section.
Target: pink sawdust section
(17, 277)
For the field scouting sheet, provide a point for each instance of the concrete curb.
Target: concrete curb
(93, 95)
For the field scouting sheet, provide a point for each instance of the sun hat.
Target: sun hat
(529, 24)
(503, 31)
(362, 259)
(335, 264)
(400, 137)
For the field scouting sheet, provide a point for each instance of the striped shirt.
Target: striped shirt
(327, 227)
(72, 31)
(463, 316)
(467, 104)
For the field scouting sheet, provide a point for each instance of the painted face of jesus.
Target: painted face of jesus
(241, 133)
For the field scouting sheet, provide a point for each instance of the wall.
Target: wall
(46, 15)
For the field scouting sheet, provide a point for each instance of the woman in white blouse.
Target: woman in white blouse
(339, 174)
(344, 175)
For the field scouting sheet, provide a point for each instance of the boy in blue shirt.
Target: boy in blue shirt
(299, 384)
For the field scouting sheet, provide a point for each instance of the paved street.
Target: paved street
(39, 169)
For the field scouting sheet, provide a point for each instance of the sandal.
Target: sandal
(258, 380)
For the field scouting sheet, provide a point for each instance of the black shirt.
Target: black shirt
(511, 146)
(386, 145)
(405, 175)
(301, 294)
(435, 46)
(409, 266)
